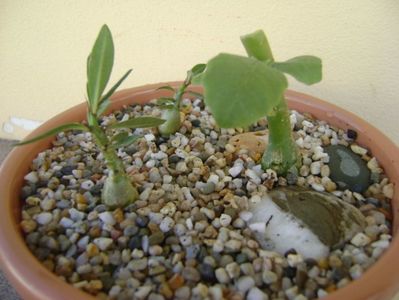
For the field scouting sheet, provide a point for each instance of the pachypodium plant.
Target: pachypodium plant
(118, 189)
(240, 90)
(171, 105)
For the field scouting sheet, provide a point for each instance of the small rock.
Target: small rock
(87, 185)
(225, 220)
(236, 170)
(348, 169)
(107, 218)
(360, 240)
(245, 283)
(191, 274)
(103, 243)
(44, 218)
(32, 177)
(269, 277)
(256, 294)
(221, 275)
(166, 224)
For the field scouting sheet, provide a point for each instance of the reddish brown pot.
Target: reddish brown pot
(34, 281)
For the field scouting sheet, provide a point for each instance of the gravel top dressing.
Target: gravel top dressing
(195, 232)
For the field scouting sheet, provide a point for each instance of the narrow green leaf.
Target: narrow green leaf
(240, 90)
(54, 131)
(197, 79)
(99, 67)
(166, 87)
(165, 100)
(257, 46)
(140, 122)
(123, 139)
(198, 69)
(306, 69)
(103, 106)
(113, 89)
(195, 94)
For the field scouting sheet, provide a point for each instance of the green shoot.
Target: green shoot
(239, 90)
(118, 190)
(171, 105)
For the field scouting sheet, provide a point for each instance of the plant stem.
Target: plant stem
(118, 190)
(281, 153)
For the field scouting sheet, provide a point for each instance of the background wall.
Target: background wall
(44, 45)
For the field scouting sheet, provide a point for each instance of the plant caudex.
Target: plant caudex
(239, 90)
(118, 190)
(171, 105)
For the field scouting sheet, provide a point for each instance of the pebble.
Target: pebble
(225, 220)
(166, 224)
(191, 274)
(107, 217)
(245, 283)
(269, 277)
(32, 177)
(87, 185)
(103, 243)
(360, 240)
(44, 218)
(221, 275)
(256, 294)
(236, 170)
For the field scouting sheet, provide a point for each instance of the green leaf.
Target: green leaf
(113, 89)
(103, 107)
(257, 46)
(240, 90)
(165, 100)
(198, 69)
(166, 87)
(99, 67)
(140, 122)
(306, 69)
(123, 139)
(166, 106)
(54, 131)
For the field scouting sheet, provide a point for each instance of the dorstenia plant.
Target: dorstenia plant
(239, 90)
(118, 190)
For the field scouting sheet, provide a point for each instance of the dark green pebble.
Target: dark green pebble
(241, 258)
(135, 242)
(156, 238)
(173, 159)
(347, 169)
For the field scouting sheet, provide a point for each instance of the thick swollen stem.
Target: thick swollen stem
(281, 153)
(172, 121)
(118, 190)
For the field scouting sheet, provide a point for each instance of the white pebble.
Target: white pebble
(315, 168)
(358, 150)
(44, 218)
(149, 137)
(256, 294)
(107, 218)
(253, 176)
(103, 243)
(66, 222)
(32, 177)
(245, 283)
(87, 185)
(246, 215)
(166, 224)
(225, 220)
(76, 215)
(236, 170)
(318, 187)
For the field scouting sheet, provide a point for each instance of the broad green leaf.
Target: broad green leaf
(195, 94)
(198, 69)
(166, 106)
(123, 139)
(113, 89)
(99, 67)
(164, 100)
(103, 106)
(240, 90)
(54, 131)
(306, 69)
(257, 46)
(166, 87)
(140, 122)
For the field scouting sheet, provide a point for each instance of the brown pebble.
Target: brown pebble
(28, 225)
(176, 281)
(166, 291)
(118, 215)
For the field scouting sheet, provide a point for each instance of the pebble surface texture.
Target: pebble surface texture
(188, 236)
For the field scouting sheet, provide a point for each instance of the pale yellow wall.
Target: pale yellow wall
(44, 45)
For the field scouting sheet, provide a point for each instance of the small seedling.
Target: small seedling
(171, 105)
(240, 90)
(118, 190)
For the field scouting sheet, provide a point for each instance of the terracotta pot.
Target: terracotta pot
(34, 281)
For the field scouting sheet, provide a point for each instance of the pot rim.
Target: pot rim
(33, 281)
